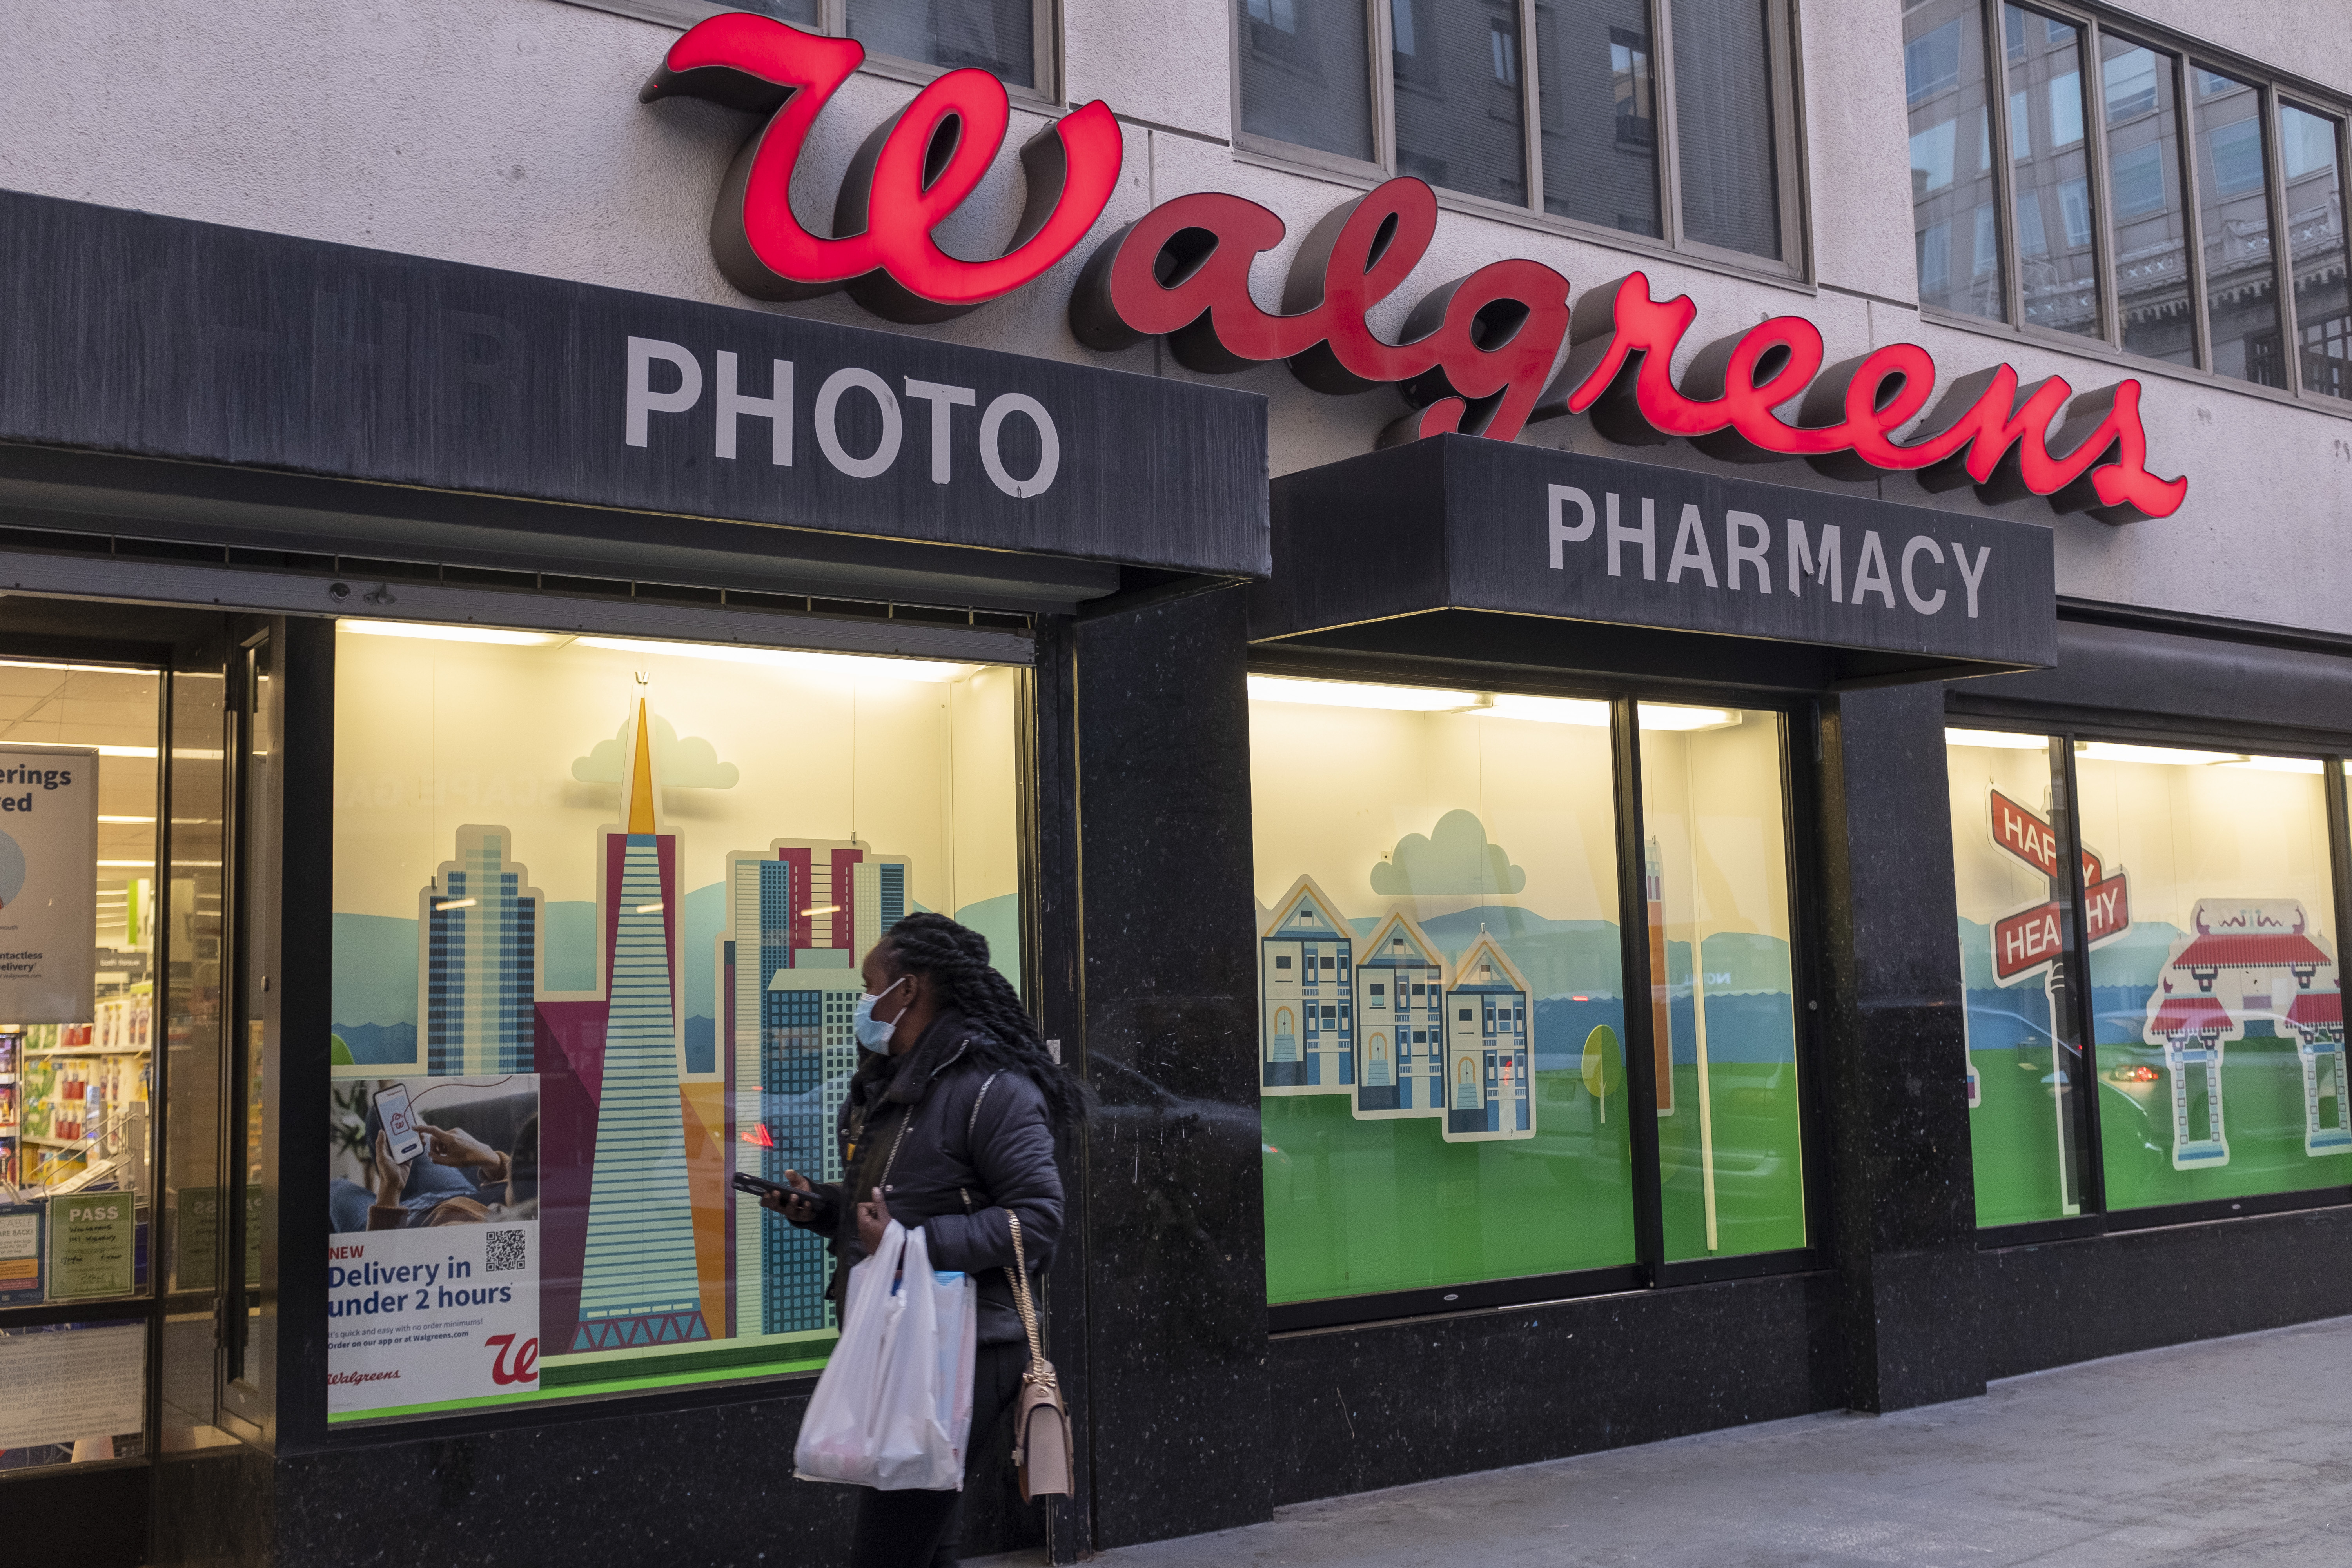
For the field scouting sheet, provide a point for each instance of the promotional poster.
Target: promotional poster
(48, 870)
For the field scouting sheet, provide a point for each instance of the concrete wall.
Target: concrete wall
(507, 133)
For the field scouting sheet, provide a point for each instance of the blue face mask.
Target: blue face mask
(874, 1033)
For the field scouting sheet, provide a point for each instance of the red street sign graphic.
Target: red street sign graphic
(904, 182)
(2031, 839)
(2031, 938)
(1476, 356)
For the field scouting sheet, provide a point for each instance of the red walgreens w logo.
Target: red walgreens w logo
(911, 173)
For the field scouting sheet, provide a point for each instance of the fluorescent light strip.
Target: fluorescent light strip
(821, 910)
(2281, 766)
(1585, 710)
(1361, 694)
(2163, 756)
(924, 669)
(1673, 716)
(429, 631)
(1997, 739)
(104, 819)
(453, 904)
(652, 909)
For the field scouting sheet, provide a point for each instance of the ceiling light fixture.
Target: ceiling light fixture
(839, 664)
(2281, 766)
(1362, 694)
(1588, 711)
(1997, 739)
(429, 631)
(1673, 716)
(2165, 756)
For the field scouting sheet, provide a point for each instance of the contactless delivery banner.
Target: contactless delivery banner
(48, 883)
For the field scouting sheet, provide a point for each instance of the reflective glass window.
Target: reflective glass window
(1722, 994)
(599, 907)
(2234, 215)
(1306, 75)
(2151, 215)
(997, 36)
(1600, 113)
(2314, 224)
(2057, 267)
(1440, 983)
(1955, 223)
(1456, 72)
(1726, 143)
(2220, 1022)
(2017, 914)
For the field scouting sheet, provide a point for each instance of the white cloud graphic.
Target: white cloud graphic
(688, 762)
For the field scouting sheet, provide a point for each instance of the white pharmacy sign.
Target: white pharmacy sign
(48, 883)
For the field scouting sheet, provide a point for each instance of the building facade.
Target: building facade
(1664, 679)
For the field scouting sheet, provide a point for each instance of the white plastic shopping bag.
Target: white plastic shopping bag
(893, 1410)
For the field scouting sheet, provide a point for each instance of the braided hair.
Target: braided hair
(954, 959)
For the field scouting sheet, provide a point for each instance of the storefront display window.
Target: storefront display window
(1724, 1030)
(2017, 909)
(1441, 985)
(598, 910)
(2219, 1025)
(1477, 1127)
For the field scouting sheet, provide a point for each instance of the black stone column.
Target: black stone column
(1175, 1255)
(1902, 1201)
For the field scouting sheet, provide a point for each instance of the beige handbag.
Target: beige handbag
(1040, 1422)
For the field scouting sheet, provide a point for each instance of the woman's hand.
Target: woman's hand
(391, 1175)
(873, 1219)
(797, 1204)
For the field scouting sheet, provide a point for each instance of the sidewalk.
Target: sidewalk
(2234, 1451)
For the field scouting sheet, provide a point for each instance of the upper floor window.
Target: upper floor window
(1670, 118)
(1011, 39)
(2137, 197)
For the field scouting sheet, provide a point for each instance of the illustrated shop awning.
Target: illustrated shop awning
(1460, 549)
(186, 380)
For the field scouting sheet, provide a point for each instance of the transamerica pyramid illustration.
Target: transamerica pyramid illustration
(638, 1285)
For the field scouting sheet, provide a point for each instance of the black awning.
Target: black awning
(1455, 548)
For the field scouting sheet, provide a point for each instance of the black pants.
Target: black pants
(921, 1529)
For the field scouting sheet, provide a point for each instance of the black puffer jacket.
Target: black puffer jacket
(961, 1142)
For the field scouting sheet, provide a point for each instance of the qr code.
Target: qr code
(502, 1252)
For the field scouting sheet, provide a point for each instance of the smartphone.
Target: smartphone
(399, 1126)
(760, 1186)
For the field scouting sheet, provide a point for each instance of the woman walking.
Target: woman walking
(950, 1125)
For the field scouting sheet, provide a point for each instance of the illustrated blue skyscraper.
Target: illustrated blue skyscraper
(801, 916)
(482, 946)
(638, 1280)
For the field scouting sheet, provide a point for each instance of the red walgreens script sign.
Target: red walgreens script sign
(911, 173)
(2031, 938)
(1476, 356)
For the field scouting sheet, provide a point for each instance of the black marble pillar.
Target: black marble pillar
(1902, 1201)
(1175, 1250)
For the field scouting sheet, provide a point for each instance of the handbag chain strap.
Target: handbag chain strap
(1040, 1371)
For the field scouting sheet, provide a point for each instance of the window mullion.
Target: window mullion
(2282, 242)
(2184, 74)
(2339, 859)
(1532, 101)
(2004, 173)
(1789, 140)
(833, 18)
(1670, 163)
(2106, 267)
(2091, 1173)
(1633, 950)
(1384, 84)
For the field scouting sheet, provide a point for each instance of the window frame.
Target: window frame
(1649, 1269)
(1046, 43)
(2095, 1218)
(1794, 264)
(2274, 91)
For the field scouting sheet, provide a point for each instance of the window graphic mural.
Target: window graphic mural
(641, 948)
(2212, 982)
(1441, 975)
